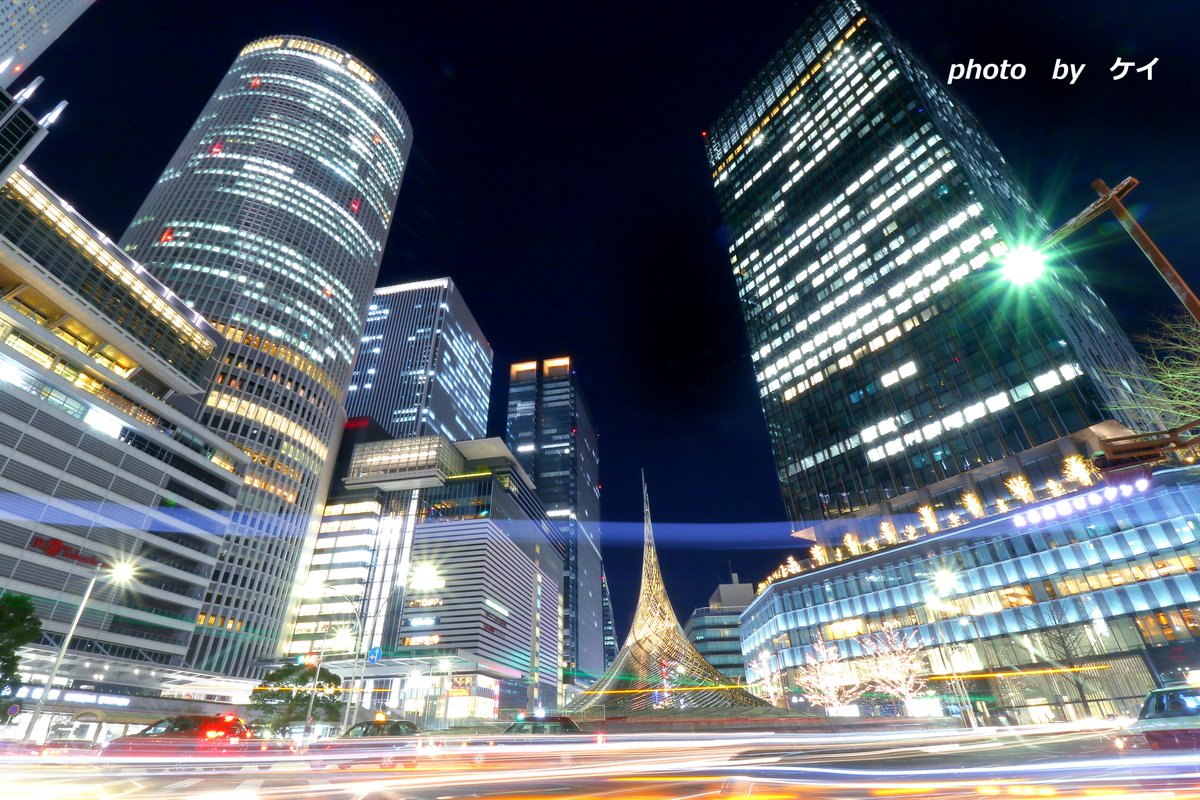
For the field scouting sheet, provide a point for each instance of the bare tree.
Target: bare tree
(1170, 388)
(827, 681)
(897, 666)
(1064, 644)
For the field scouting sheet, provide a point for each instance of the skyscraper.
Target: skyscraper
(27, 29)
(440, 554)
(866, 210)
(270, 220)
(608, 622)
(424, 366)
(550, 430)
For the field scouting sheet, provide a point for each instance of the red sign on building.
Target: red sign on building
(57, 548)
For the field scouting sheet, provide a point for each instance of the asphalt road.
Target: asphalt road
(1062, 765)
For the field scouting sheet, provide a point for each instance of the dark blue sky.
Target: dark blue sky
(558, 176)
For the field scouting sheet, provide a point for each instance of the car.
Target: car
(16, 747)
(382, 741)
(1169, 720)
(560, 735)
(195, 735)
(69, 749)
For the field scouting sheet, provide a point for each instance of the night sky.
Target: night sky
(558, 175)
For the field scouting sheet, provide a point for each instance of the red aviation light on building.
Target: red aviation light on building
(167, 236)
(378, 138)
(355, 204)
(329, 291)
(704, 134)
(217, 148)
(357, 422)
(255, 82)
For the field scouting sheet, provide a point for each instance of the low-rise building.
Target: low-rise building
(98, 464)
(713, 629)
(1064, 607)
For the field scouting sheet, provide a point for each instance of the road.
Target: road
(953, 764)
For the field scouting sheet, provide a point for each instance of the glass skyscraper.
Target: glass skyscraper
(424, 366)
(270, 220)
(550, 430)
(27, 29)
(867, 210)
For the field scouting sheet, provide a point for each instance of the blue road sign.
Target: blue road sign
(374, 655)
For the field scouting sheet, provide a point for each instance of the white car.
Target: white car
(1169, 720)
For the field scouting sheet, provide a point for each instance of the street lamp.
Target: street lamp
(119, 573)
(318, 590)
(945, 582)
(1023, 265)
(341, 639)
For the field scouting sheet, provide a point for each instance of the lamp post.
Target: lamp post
(318, 590)
(945, 582)
(312, 691)
(448, 667)
(119, 573)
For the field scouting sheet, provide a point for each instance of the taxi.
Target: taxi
(1169, 720)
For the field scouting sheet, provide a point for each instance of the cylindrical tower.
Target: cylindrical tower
(271, 220)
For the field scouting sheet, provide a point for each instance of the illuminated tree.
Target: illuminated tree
(1019, 487)
(970, 502)
(770, 686)
(897, 666)
(928, 519)
(910, 532)
(853, 547)
(1077, 469)
(1001, 506)
(1054, 488)
(887, 532)
(818, 554)
(827, 681)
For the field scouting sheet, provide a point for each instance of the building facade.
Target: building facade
(1063, 608)
(550, 430)
(714, 631)
(98, 463)
(611, 645)
(424, 366)
(440, 554)
(270, 220)
(867, 212)
(27, 29)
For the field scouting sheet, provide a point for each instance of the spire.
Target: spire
(657, 666)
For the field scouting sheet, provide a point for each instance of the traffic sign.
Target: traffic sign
(14, 709)
(374, 655)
